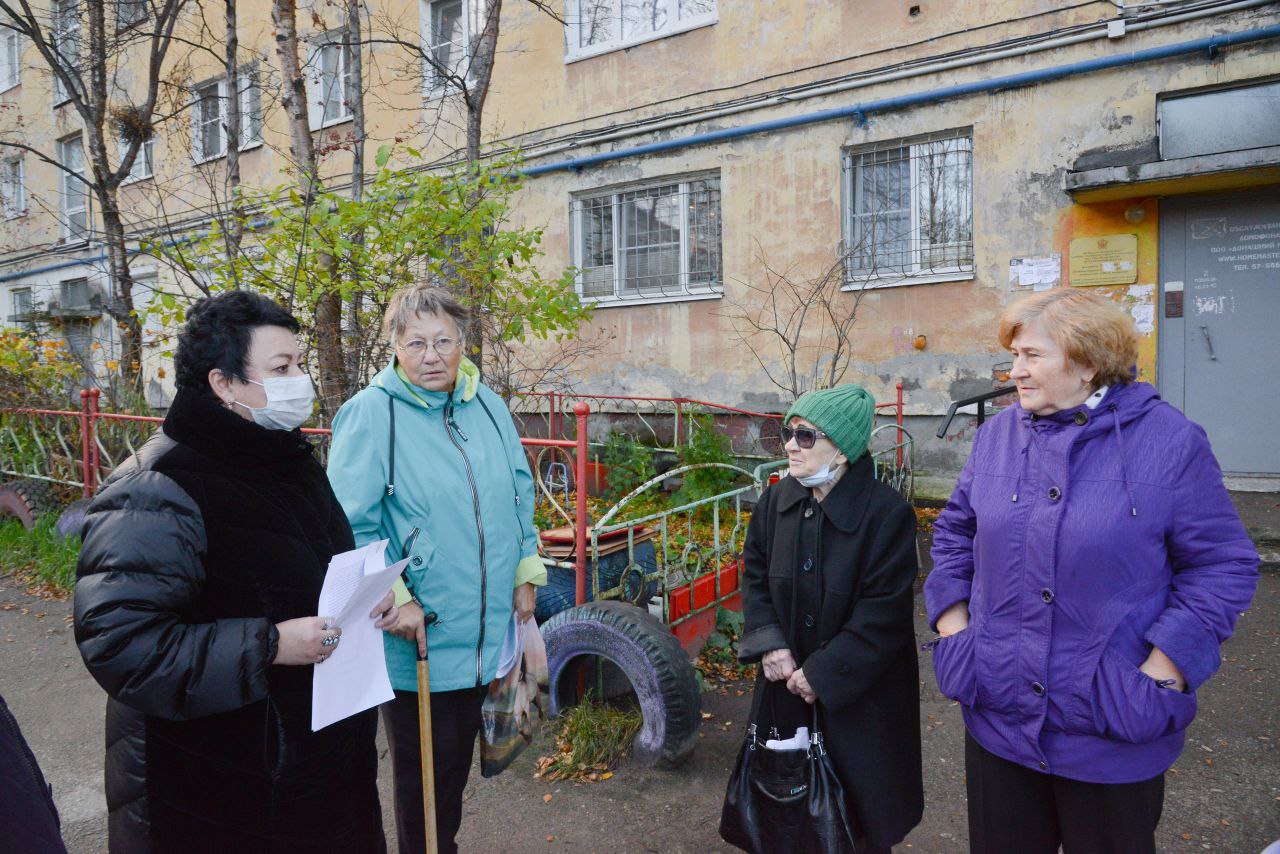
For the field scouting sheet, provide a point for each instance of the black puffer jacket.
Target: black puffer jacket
(216, 530)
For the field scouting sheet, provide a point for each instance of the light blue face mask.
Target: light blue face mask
(824, 475)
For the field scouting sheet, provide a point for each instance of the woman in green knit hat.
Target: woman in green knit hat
(830, 563)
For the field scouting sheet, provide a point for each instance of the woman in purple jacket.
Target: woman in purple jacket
(1086, 570)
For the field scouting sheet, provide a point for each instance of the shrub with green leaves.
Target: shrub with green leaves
(630, 464)
(706, 445)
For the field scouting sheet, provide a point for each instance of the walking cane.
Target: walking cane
(427, 754)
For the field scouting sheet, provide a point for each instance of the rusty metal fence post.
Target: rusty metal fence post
(580, 412)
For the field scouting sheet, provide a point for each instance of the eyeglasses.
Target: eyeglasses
(804, 436)
(417, 348)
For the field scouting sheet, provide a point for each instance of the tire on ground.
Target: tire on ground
(649, 655)
(26, 500)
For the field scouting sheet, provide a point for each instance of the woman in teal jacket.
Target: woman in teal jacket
(428, 458)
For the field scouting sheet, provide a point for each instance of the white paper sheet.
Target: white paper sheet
(354, 678)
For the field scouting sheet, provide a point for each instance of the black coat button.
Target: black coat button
(417, 560)
(809, 621)
(808, 565)
(1037, 689)
(1081, 418)
(1047, 595)
(1054, 493)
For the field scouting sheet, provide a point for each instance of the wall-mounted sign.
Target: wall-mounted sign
(1111, 259)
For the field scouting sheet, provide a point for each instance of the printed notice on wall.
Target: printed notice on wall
(1108, 260)
(1035, 274)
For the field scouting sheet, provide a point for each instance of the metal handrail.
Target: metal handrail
(980, 399)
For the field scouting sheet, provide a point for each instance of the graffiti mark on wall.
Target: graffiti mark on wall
(1220, 304)
(1203, 229)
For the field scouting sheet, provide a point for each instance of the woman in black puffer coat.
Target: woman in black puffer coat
(197, 587)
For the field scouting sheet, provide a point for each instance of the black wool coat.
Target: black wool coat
(216, 530)
(862, 654)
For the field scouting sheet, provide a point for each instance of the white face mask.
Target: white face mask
(824, 475)
(289, 401)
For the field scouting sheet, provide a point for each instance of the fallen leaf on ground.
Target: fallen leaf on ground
(546, 799)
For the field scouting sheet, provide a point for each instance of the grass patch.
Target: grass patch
(591, 738)
(39, 555)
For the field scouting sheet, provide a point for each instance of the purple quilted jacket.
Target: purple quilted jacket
(1080, 540)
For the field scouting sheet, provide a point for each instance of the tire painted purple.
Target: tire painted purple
(651, 658)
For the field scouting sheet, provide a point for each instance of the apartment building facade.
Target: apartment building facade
(689, 157)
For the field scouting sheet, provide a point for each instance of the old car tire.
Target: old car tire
(649, 655)
(26, 500)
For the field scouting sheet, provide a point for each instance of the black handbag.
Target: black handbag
(787, 800)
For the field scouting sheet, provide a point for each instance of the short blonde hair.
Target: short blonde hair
(407, 303)
(1092, 330)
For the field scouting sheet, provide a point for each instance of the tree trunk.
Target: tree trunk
(328, 309)
(233, 222)
(355, 306)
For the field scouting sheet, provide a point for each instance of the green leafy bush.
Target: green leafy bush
(630, 464)
(706, 445)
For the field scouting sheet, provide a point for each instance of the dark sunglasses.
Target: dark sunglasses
(804, 436)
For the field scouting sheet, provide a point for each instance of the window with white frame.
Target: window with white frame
(10, 59)
(130, 12)
(599, 26)
(652, 242)
(909, 210)
(446, 40)
(209, 115)
(144, 294)
(329, 95)
(65, 32)
(75, 193)
(143, 162)
(21, 305)
(13, 187)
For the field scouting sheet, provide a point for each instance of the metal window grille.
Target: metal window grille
(607, 24)
(21, 305)
(662, 240)
(74, 294)
(910, 208)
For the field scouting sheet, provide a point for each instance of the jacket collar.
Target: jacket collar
(199, 420)
(395, 381)
(848, 500)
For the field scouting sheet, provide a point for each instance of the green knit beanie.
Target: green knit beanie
(844, 413)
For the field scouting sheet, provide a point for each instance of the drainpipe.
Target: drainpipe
(1210, 44)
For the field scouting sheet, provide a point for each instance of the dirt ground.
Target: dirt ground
(1223, 794)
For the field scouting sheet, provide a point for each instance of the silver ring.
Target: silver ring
(331, 640)
(321, 659)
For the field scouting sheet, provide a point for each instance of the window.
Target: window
(130, 12)
(209, 116)
(446, 41)
(75, 193)
(144, 293)
(910, 210)
(21, 306)
(329, 95)
(73, 295)
(143, 163)
(1234, 119)
(10, 59)
(65, 32)
(599, 26)
(656, 242)
(13, 188)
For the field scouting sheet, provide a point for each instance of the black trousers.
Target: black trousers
(1014, 810)
(455, 721)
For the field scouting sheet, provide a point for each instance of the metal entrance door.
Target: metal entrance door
(1219, 338)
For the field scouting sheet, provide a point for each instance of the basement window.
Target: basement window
(655, 242)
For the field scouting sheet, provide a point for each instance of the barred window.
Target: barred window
(657, 241)
(909, 209)
(599, 26)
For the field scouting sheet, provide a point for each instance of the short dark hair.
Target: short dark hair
(217, 335)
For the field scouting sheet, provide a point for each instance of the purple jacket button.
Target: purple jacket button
(1044, 766)
(1038, 689)
(1047, 595)
(1054, 493)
